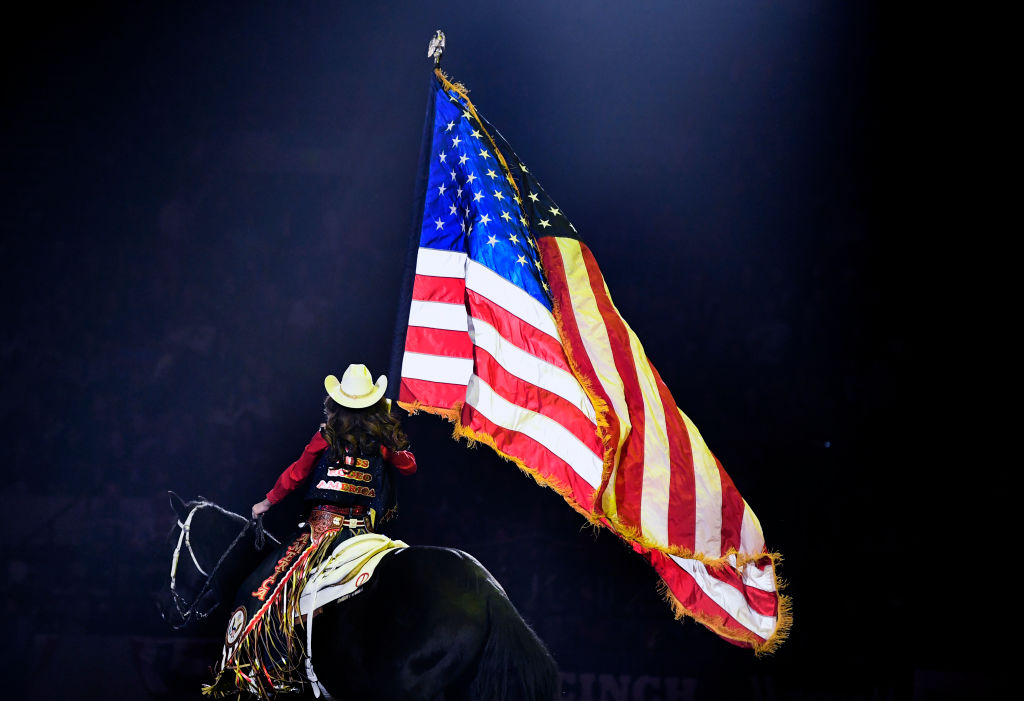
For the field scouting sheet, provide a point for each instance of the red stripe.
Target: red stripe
(763, 602)
(534, 455)
(439, 289)
(682, 497)
(438, 395)
(453, 344)
(554, 267)
(760, 601)
(525, 394)
(732, 511)
(516, 331)
(630, 471)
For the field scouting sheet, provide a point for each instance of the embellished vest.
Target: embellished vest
(353, 480)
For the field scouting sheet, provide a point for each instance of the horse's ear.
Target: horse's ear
(178, 505)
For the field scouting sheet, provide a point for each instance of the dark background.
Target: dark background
(206, 208)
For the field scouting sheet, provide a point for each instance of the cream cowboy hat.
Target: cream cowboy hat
(356, 390)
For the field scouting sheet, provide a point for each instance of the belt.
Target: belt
(322, 519)
(356, 510)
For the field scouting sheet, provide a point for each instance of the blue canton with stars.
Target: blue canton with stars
(470, 205)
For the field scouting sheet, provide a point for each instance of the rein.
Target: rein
(185, 609)
(184, 537)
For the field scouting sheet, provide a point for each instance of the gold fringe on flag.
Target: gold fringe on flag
(414, 408)
(761, 647)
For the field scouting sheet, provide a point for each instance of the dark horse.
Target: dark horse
(432, 624)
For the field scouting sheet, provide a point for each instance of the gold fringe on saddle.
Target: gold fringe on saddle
(268, 657)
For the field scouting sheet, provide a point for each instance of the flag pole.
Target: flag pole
(434, 50)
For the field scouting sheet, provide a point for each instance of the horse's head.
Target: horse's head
(213, 549)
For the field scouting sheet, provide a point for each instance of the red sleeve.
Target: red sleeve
(403, 460)
(299, 470)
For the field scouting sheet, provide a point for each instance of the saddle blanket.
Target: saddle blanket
(341, 574)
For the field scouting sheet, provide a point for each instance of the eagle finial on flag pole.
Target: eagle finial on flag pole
(436, 48)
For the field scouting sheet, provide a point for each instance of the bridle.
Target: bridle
(187, 610)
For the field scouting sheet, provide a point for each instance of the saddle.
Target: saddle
(338, 577)
(341, 574)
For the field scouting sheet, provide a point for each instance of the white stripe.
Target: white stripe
(546, 431)
(763, 579)
(707, 489)
(594, 336)
(437, 368)
(728, 597)
(530, 368)
(751, 535)
(438, 315)
(509, 297)
(657, 462)
(441, 263)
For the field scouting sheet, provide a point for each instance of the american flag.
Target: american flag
(511, 333)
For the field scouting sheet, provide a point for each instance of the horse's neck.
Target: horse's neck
(219, 532)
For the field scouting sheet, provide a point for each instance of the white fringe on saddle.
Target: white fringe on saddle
(339, 577)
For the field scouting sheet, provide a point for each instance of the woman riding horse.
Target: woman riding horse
(350, 458)
(431, 623)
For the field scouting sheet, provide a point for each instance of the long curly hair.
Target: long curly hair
(362, 430)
